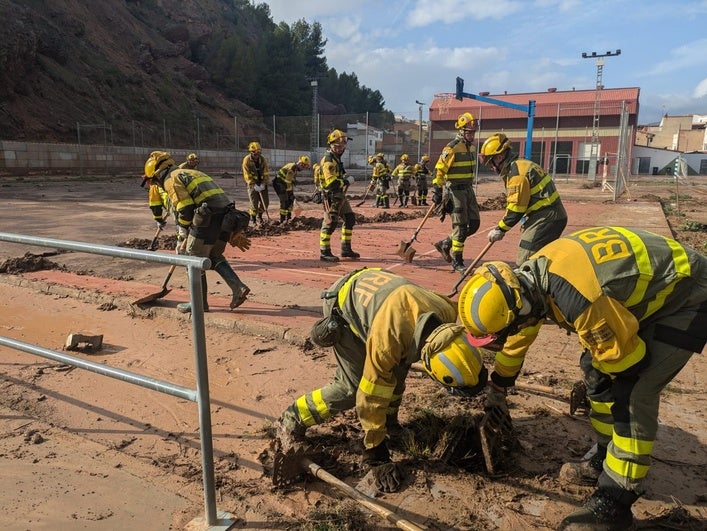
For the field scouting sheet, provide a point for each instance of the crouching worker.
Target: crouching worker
(638, 303)
(378, 324)
(206, 219)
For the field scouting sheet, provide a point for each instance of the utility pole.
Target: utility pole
(314, 138)
(419, 130)
(592, 170)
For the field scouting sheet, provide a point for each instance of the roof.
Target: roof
(445, 106)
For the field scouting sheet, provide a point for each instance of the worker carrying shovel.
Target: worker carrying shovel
(257, 176)
(206, 218)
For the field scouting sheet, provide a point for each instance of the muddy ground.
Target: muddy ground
(60, 427)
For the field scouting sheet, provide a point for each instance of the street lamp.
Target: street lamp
(594, 149)
(419, 129)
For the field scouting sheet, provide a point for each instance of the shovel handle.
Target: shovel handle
(469, 269)
(319, 472)
(153, 243)
(419, 227)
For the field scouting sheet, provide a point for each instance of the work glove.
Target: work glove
(349, 180)
(496, 234)
(259, 187)
(386, 474)
(161, 223)
(437, 195)
(372, 186)
(240, 240)
(182, 234)
(496, 397)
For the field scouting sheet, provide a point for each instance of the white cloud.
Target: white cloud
(688, 55)
(428, 12)
(701, 89)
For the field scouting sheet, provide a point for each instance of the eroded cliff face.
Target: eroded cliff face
(130, 64)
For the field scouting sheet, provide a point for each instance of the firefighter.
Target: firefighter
(201, 206)
(191, 163)
(334, 183)
(454, 192)
(257, 177)
(638, 303)
(158, 202)
(531, 198)
(284, 185)
(403, 172)
(378, 324)
(420, 171)
(381, 174)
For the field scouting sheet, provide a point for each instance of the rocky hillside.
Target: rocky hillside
(130, 64)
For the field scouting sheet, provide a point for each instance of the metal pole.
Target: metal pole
(554, 150)
(274, 139)
(419, 129)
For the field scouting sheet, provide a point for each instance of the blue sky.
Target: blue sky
(410, 50)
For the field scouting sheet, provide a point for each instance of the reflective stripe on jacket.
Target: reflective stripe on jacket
(456, 163)
(528, 189)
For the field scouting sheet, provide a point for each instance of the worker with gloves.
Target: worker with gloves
(334, 183)
(284, 185)
(158, 201)
(257, 177)
(420, 171)
(378, 324)
(191, 163)
(638, 303)
(531, 198)
(381, 176)
(206, 220)
(403, 172)
(454, 192)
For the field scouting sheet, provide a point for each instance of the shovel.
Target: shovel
(405, 250)
(262, 202)
(468, 270)
(288, 465)
(153, 243)
(164, 291)
(297, 210)
(368, 190)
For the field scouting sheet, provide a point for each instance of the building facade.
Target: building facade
(563, 128)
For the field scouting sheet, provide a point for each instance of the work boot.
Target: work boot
(444, 247)
(458, 262)
(240, 291)
(261, 221)
(185, 307)
(607, 509)
(326, 256)
(386, 203)
(283, 219)
(347, 252)
(253, 219)
(289, 437)
(585, 472)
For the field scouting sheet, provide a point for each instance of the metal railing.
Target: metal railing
(200, 395)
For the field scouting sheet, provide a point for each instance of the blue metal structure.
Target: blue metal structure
(529, 109)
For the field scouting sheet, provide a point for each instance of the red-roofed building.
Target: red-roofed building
(562, 128)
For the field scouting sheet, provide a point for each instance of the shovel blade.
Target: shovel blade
(409, 254)
(153, 297)
(496, 431)
(402, 248)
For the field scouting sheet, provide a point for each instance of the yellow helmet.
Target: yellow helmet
(305, 160)
(380, 156)
(371, 159)
(425, 158)
(451, 360)
(404, 157)
(336, 137)
(192, 157)
(254, 147)
(466, 121)
(489, 302)
(496, 144)
(156, 162)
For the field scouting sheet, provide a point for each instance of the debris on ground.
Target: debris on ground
(28, 263)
